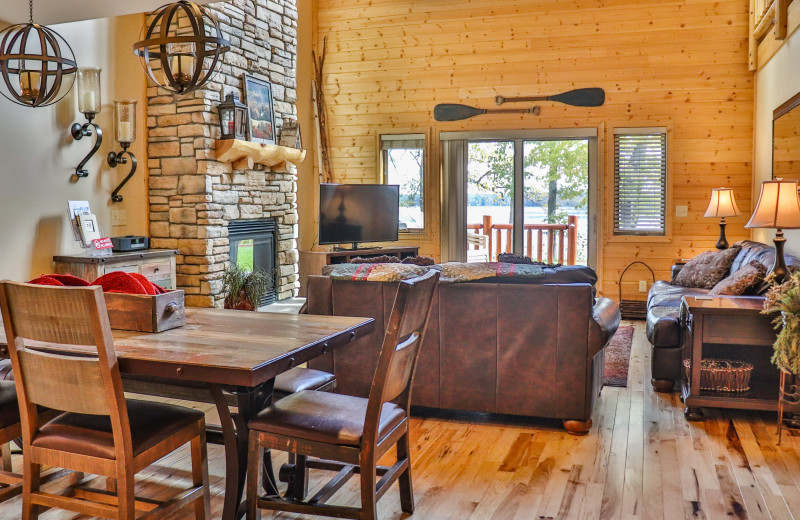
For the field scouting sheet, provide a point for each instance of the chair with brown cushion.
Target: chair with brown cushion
(299, 379)
(63, 356)
(345, 433)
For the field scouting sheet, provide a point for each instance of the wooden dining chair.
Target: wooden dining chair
(345, 433)
(60, 344)
(302, 378)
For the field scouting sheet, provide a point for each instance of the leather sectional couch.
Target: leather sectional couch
(499, 345)
(664, 319)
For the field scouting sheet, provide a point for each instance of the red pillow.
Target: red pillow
(147, 284)
(46, 280)
(119, 281)
(68, 279)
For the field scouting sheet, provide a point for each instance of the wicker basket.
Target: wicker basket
(722, 375)
(633, 309)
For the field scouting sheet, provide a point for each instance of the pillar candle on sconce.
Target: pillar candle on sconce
(89, 104)
(125, 134)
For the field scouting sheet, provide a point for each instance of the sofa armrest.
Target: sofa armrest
(605, 321)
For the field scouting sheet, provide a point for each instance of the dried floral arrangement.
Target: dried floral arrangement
(785, 298)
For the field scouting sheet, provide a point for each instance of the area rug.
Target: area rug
(618, 357)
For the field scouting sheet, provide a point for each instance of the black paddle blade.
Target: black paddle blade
(582, 97)
(453, 112)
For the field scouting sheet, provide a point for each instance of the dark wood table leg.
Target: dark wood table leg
(250, 401)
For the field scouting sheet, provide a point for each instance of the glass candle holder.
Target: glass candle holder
(125, 120)
(89, 90)
(29, 83)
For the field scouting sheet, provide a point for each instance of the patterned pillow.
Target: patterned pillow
(739, 282)
(707, 269)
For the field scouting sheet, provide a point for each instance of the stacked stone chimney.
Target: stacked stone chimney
(193, 197)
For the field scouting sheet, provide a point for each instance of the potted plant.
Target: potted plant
(785, 298)
(245, 288)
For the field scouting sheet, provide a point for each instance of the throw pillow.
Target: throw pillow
(510, 258)
(418, 260)
(707, 269)
(739, 282)
(383, 259)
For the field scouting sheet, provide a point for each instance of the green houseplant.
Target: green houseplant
(785, 298)
(245, 288)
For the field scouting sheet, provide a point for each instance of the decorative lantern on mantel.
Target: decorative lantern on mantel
(232, 118)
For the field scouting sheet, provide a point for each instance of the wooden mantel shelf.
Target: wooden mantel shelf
(245, 155)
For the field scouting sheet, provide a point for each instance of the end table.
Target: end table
(731, 328)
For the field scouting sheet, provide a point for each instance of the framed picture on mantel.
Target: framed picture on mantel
(258, 96)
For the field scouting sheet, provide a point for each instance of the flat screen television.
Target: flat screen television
(355, 213)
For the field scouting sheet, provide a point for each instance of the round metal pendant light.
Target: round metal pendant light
(181, 47)
(37, 65)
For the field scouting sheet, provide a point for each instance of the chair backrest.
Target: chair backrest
(405, 332)
(41, 323)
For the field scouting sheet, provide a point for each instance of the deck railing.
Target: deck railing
(551, 243)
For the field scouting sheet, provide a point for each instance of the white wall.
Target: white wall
(776, 82)
(38, 156)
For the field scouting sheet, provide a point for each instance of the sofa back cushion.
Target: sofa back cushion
(763, 253)
(707, 269)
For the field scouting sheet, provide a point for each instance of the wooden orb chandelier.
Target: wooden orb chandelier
(37, 65)
(181, 47)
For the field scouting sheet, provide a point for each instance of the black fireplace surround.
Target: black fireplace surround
(262, 236)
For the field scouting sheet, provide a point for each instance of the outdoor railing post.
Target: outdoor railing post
(487, 230)
(572, 239)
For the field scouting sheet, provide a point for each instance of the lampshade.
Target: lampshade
(722, 204)
(778, 206)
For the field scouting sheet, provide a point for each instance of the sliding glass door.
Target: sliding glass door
(523, 194)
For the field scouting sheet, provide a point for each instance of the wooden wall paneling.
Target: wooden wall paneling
(683, 65)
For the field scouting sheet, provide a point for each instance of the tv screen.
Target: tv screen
(353, 213)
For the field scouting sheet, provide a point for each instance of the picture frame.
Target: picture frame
(260, 108)
(290, 134)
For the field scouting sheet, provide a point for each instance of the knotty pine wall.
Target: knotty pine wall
(680, 65)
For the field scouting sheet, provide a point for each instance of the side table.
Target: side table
(730, 328)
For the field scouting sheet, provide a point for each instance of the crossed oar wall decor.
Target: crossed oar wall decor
(582, 97)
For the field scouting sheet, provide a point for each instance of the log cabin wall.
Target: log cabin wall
(682, 65)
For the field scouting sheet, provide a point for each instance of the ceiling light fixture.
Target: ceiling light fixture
(185, 43)
(34, 62)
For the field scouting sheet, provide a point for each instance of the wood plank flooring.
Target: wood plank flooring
(642, 459)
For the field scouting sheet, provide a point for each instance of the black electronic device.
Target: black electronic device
(130, 243)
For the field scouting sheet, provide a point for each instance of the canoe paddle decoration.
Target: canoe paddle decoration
(582, 97)
(454, 112)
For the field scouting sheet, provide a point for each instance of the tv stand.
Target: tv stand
(312, 262)
(355, 248)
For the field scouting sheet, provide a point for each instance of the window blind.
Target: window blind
(640, 183)
(399, 142)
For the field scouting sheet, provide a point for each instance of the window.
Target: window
(403, 163)
(640, 181)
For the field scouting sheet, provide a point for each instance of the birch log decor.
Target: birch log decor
(323, 152)
(245, 154)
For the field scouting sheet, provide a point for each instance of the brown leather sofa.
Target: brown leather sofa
(663, 313)
(507, 346)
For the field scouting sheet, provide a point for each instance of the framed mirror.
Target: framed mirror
(786, 140)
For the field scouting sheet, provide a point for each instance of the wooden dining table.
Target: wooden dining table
(229, 358)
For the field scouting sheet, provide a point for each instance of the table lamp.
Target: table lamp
(721, 205)
(778, 207)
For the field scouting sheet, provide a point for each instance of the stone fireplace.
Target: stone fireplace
(254, 245)
(193, 197)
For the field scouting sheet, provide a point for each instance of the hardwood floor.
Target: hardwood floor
(642, 459)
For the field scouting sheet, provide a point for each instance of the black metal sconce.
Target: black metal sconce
(125, 133)
(89, 104)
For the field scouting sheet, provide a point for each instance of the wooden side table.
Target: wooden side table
(157, 265)
(730, 328)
